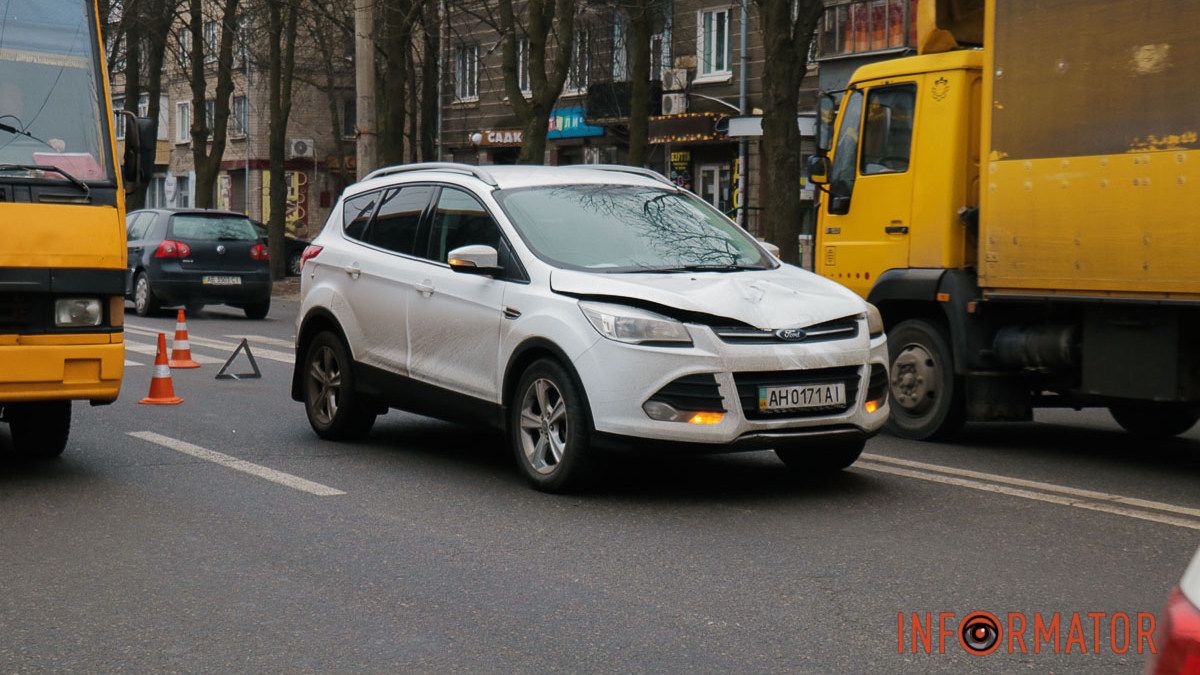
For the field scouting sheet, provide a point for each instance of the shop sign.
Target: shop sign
(685, 128)
(498, 137)
(570, 123)
(681, 169)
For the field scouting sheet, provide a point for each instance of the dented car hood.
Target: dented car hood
(785, 297)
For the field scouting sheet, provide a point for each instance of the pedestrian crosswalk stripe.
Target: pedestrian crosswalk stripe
(149, 349)
(259, 352)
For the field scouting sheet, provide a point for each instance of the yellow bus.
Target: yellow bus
(62, 224)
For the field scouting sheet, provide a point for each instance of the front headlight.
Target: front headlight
(75, 312)
(634, 326)
(874, 321)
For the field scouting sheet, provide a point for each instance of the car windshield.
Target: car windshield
(620, 228)
(197, 227)
(50, 90)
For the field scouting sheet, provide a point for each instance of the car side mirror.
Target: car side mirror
(475, 259)
(138, 166)
(818, 169)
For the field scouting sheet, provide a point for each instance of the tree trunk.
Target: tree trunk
(393, 105)
(430, 100)
(639, 72)
(545, 19)
(785, 45)
(537, 125)
(280, 79)
(154, 24)
(133, 87)
(207, 161)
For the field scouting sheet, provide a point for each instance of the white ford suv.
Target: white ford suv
(578, 308)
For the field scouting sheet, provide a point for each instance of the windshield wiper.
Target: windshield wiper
(87, 192)
(705, 267)
(17, 131)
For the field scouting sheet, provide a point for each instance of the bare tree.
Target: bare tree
(549, 27)
(787, 28)
(431, 23)
(206, 152)
(283, 18)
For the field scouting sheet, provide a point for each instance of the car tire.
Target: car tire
(550, 428)
(144, 301)
(258, 310)
(821, 457)
(293, 265)
(335, 410)
(1156, 422)
(927, 397)
(39, 430)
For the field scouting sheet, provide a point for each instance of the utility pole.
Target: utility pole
(364, 83)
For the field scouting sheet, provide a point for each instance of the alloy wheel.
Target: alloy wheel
(324, 384)
(141, 294)
(543, 426)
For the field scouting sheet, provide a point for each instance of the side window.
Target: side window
(888, 129)
(356, 213)
(395, 226)
(845, 157)
(138, 223)
(460, 220)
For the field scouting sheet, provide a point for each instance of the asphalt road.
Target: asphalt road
(225, 536)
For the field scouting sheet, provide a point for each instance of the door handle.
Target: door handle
(353, 270)
(896, 229)
(425, 288)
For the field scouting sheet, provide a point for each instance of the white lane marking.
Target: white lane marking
(152, 350)
(1038, 485)
(129, 363)
(287, 479)
(1029, 494)
(274, 342)
(259, 352)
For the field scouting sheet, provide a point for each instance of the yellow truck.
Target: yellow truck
(62, 220)
(1021, 201)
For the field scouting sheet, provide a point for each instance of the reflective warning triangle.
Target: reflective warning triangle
(243, 347)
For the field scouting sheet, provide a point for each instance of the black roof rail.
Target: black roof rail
(621, 168)
(435, 166)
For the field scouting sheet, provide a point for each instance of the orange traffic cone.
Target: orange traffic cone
(181, 349)
(162, 391)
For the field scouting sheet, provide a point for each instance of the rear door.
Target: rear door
(869, 205)
(220, 243)
(137, 231)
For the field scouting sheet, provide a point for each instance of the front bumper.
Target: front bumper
(618, 378)
(61, 367)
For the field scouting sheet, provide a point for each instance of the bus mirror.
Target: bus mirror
(826, 114)
(818, 169)
(138, 166)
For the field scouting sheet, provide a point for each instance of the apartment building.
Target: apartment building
(320, 142)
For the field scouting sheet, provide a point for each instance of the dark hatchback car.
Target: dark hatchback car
(293, 249)
(196, 257)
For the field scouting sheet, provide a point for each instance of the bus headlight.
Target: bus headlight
(76, 312)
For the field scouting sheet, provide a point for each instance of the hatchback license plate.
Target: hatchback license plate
(800, 397)
(221, 281)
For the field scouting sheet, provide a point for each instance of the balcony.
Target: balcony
(608, 102)
(863, 27)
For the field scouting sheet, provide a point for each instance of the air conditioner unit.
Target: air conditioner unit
(675, 79)
(674, 104)
(300, 147)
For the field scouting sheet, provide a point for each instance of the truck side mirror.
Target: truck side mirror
(817, 169)
(138, 165)
(827, 108)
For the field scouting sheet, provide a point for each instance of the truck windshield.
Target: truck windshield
(51, 94)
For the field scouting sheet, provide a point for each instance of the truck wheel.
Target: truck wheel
(39, 430)
(821, 458)
(1155, 422)
(927, 396)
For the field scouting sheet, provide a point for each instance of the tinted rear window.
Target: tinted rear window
(212, 228)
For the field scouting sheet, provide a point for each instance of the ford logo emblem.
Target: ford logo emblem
(791, 334)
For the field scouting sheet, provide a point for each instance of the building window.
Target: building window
(349, 118)
(183, 122)
(867, 26)
(156, 193)
(523, 65)
(713, 39)
(466, 71)
(118, 118)
(241, 116)
(185, 47)
(210, 41)
(581, 62)
(210, 116)
(620, 52)
(183, 198)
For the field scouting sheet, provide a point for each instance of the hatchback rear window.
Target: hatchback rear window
(212, 228)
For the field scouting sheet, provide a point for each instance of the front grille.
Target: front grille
(844, 328)
(692, 393)
(748, 384)
(877, 385)
(21, 311)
